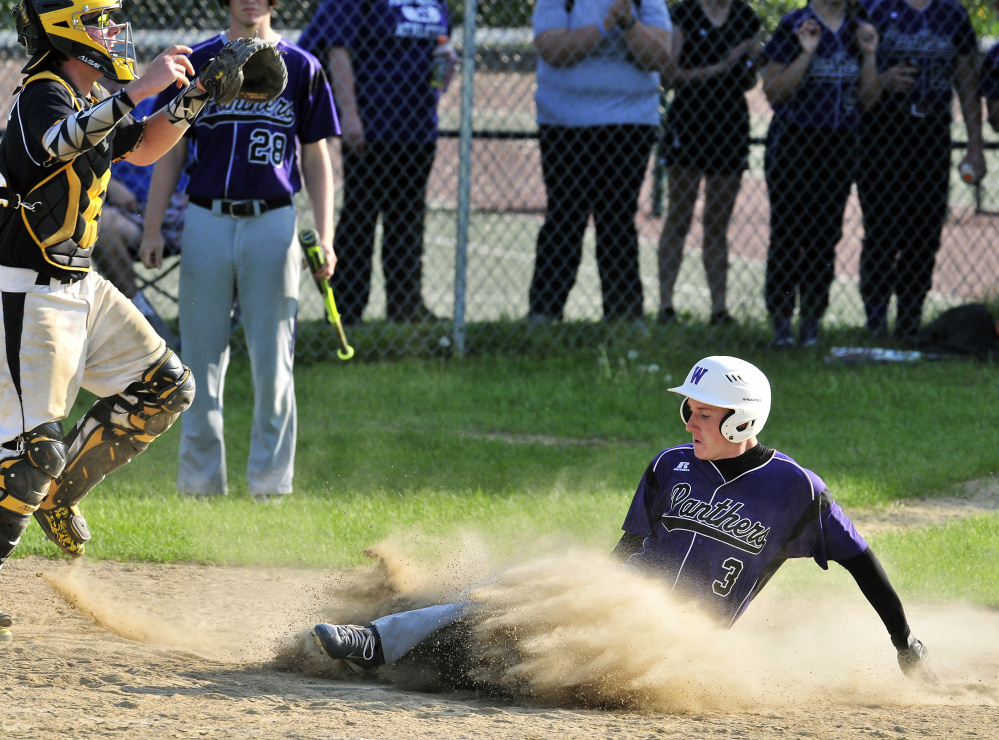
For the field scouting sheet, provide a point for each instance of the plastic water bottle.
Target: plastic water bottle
(440, 64)
(967, 173)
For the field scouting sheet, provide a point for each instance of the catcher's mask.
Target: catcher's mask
(729, 383)
(82, 29)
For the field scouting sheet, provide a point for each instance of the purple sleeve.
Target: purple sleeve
(317, 114)
(640, 513)
(831, 536)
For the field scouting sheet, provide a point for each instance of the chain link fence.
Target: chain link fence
(486, 202)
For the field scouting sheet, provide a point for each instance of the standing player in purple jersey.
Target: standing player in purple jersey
(239, 240)
(714, 518)
(928, 49)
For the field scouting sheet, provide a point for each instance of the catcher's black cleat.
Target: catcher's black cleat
(355, 646)
(66, 527)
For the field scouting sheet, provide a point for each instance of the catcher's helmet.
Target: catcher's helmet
(729, 383)
(44, 26)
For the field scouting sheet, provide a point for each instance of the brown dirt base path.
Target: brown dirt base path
(182, 651)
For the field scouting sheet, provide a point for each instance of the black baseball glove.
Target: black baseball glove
(248, 69)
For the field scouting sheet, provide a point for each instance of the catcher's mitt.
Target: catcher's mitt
(248, 69)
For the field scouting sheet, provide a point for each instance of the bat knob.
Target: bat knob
(345, 354)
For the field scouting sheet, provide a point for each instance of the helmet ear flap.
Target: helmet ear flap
(685, 411)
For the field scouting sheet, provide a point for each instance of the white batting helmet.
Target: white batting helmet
(729, 383)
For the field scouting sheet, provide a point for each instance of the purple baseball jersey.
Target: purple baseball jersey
(827, 97)
(720, 542)
(931, 39)
(248, 151)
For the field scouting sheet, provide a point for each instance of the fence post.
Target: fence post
(464, 175)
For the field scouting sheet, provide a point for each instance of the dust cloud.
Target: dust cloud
(576, 629)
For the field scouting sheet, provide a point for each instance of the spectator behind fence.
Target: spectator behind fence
(598, 114)
(818, 67)
(239, 238)
(121, 232)
(715, 44)
(927, 48)
(389, 64)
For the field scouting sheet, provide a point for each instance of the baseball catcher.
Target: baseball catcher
(245, 69)
(63, 326)
(714, 519)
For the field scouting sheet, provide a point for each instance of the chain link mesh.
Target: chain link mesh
(486, 204)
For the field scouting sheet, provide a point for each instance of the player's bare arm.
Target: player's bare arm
(342, 79)
(317, 171)
(166, 176)
(966, 83)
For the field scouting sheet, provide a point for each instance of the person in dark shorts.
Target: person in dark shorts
(715, 43)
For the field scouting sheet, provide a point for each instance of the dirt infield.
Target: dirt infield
(175, 651)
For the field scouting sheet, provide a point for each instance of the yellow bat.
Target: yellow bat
(309, 241)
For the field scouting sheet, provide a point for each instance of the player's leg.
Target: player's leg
(920, 240)
(720, 192)
(828, 191)
(386, 639)
(41, 368)
(787, 159)
(403, 220)
(269, 271)
(560, 239)
(621, 156)
(883, 181)
(141, 386)
(684, 183)
(207, 295)
(355, 230)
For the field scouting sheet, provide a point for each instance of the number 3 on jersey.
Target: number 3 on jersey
(267, 147)
(733, 567)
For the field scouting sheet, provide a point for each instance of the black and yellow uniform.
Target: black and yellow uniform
(51, 222)
(64, 326)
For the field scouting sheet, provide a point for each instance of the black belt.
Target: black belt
(240, 208)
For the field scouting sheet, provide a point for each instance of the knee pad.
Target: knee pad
(166, 389)
(118, 428)
(25, 479)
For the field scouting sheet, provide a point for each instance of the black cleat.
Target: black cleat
(357, 647)
(66, 527)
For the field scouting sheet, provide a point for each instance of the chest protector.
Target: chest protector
(62, 212)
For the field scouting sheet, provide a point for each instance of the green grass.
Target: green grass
(551, 445)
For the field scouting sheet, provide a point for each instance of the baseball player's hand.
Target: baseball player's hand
(977, 161)
(867, 38)
(352, 132)
(737, 54)
(809, 33)
(329, 265)
(900, 77)
(151, 250)
(172, 67)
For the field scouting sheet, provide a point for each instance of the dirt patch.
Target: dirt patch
(973, 497)
(139, 650)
